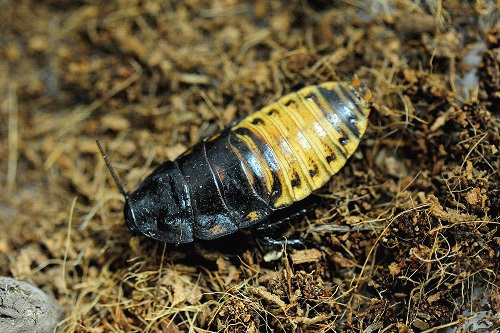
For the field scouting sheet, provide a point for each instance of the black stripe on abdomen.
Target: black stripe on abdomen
(340, 108)
(270, 161)
(329, 115)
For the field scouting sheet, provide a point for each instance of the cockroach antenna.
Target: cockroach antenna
(111, 170)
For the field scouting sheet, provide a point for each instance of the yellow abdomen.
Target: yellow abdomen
(296, 144)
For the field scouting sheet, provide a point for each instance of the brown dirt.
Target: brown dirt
(413, 225)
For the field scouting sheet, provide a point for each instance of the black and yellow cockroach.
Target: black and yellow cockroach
(239, 177)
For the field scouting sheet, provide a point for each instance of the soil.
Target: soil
(410, 231)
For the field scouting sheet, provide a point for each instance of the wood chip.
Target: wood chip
(306, 256)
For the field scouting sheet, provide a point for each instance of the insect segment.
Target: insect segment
(240, 176)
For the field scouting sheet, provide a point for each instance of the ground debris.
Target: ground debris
(305, 256)
(410, 226)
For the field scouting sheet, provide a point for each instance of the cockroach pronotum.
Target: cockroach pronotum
(267, 161)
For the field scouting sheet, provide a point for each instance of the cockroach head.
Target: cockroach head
(159, 207)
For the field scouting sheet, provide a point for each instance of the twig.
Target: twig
(456, 322)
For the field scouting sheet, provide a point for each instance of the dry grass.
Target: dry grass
(412, 229)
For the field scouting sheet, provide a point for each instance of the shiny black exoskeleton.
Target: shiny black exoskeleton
(203, 194)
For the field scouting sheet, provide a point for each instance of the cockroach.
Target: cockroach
(267, 161)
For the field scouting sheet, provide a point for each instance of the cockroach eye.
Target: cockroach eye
(129, 217)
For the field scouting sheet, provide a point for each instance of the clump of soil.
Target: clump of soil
(410, 229)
